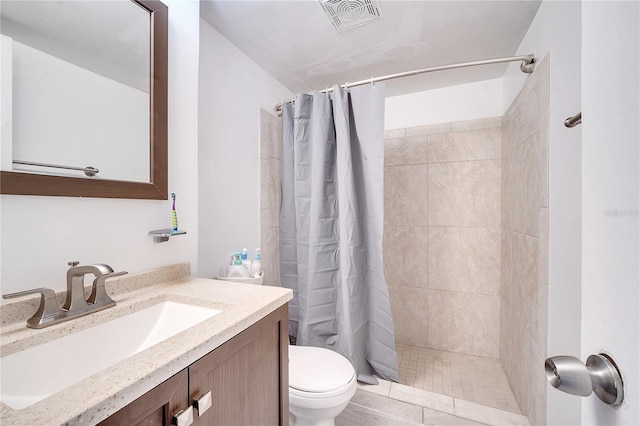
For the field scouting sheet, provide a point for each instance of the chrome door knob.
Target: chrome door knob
(568, 374)
(599, 375)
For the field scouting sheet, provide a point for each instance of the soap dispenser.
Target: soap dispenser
(246, 263)
(256, 266)
(236, 270)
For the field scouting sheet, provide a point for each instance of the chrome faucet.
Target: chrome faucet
(75, 300)
(75, 305)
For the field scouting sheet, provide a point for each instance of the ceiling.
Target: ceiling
(296, 43)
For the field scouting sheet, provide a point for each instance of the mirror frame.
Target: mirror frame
(21, 183)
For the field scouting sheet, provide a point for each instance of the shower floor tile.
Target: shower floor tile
(472, 378)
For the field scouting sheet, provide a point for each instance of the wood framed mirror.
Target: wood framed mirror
(26, 183)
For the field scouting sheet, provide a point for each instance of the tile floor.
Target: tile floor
(394, 404)
(437, 388)
(475, 379)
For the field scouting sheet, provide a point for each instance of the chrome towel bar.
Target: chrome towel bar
(89, 171)
(573, 121)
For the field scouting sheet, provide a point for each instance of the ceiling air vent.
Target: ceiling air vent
(346, 14)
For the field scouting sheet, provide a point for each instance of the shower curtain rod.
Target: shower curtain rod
(526, 66)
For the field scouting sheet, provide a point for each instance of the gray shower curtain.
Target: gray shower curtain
(331, 227)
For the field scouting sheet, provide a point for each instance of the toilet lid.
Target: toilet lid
(314, 369)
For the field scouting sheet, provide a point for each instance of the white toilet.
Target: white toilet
(321, 384)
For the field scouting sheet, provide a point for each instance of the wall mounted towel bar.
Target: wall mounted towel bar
(89, 171)
(573, 121)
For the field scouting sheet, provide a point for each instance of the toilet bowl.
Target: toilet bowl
(321, 384)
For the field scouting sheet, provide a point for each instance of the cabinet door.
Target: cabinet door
(247, 376)
(157, 407)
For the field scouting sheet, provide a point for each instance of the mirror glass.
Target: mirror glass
(76, 88)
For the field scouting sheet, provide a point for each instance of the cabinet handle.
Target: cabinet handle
(203, 403)
(183, 418)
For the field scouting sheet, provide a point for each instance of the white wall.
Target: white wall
(610, 199)
(556, 30)
(39, 235)
(6, 101)
(232, 91)
(470, 101)
(64, 114)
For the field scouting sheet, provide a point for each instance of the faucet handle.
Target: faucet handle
(99, 294)
(48, 310)
(73, 263)
(44, 292)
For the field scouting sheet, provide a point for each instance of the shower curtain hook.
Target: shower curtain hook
(373, 84)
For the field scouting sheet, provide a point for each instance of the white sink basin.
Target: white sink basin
(34, 374)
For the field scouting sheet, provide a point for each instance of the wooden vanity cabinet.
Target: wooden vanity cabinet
(247, 376)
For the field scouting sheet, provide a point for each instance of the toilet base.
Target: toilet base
(326, 422)
(319, 411)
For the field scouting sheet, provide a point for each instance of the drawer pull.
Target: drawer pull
(184, 417)
(203, 403)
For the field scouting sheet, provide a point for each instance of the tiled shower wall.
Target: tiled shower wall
(270, 196)
(442, 235)
(525, 230)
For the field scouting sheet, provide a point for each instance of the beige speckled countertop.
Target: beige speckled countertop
(95, 398)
